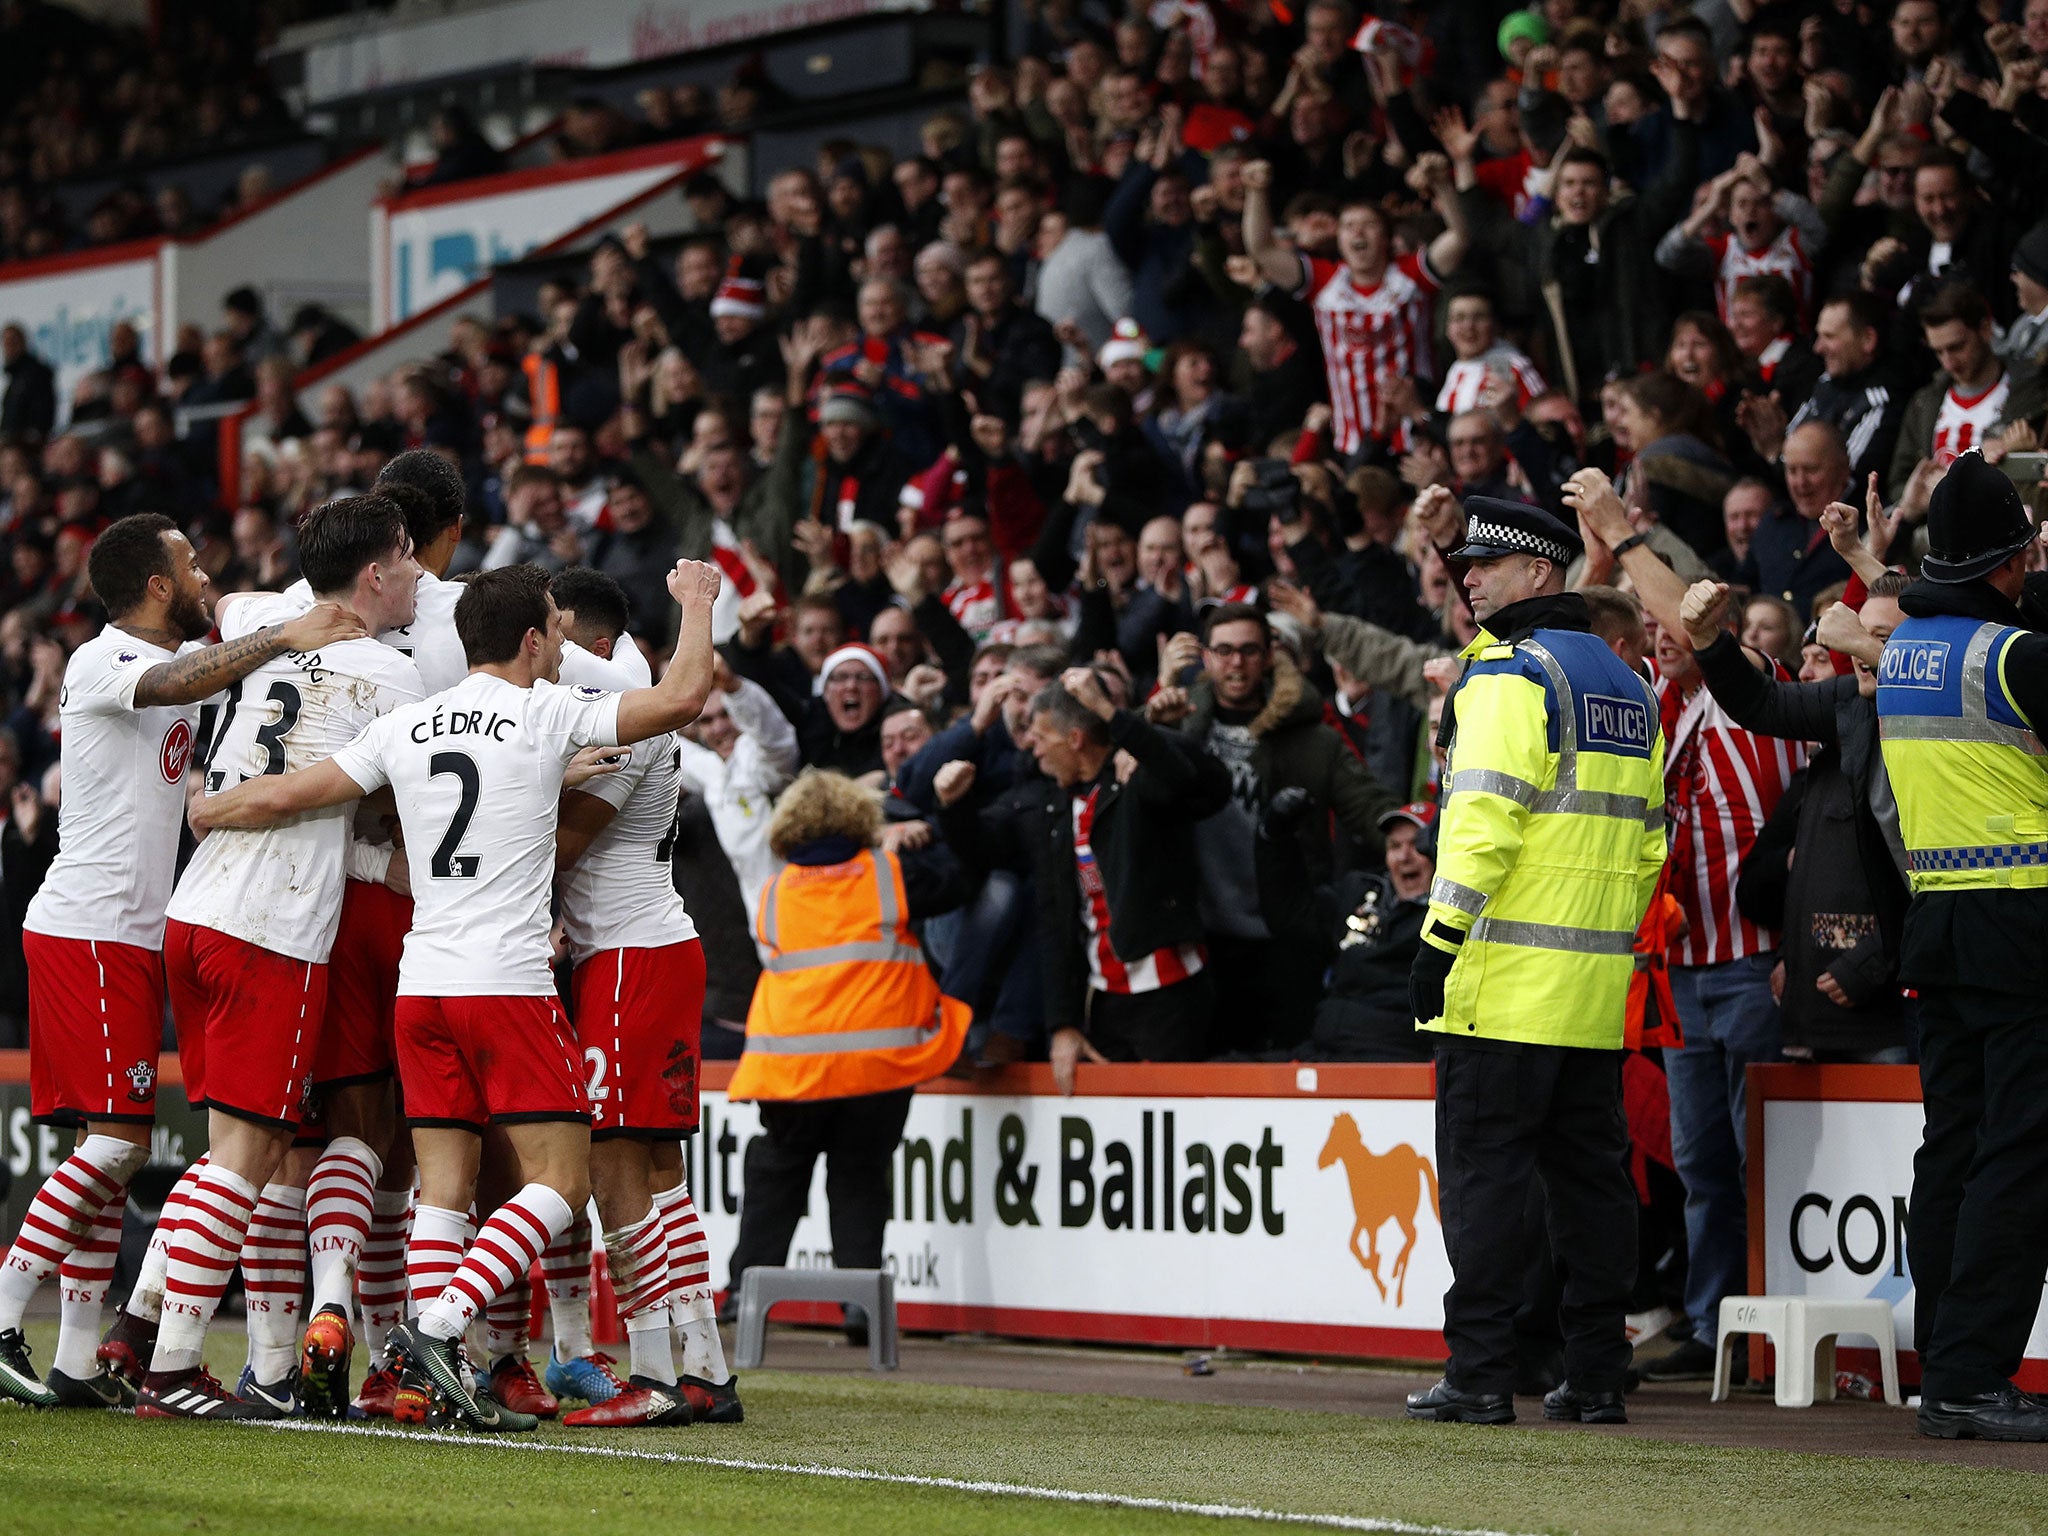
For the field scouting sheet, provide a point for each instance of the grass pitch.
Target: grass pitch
(74, 1472)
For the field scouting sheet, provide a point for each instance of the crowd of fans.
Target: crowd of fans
(1173, 355)
(87, 99)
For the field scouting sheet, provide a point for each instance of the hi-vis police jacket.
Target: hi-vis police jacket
(1966, 766)
(1552, 835)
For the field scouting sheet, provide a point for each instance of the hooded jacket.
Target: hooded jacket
(1294, 748)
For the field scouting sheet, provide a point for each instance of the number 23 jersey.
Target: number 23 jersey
(477, 773)
(280, 889)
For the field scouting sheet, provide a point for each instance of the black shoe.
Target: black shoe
(1568, 1403)
(18, 1379)
(436, 1363)
(1693, 1361)
(102, 1389)
(2006, 1414)
(713, 1403)
(1447, 1405)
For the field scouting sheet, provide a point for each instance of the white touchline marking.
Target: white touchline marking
(901, 1479)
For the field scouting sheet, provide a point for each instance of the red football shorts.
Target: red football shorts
(463, 1061)
(95, 1023)
(639, 1015)
(362, 986)
(248, 1023)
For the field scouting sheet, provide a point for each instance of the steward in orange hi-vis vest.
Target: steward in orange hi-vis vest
(845, 1004)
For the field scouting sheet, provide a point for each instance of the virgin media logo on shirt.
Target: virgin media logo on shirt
(176, 751)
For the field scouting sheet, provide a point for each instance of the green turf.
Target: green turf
(93, 1472)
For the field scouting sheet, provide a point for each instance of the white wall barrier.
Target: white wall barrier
(1830, 1185)
(1203, 1206)
(308, 246)
(68, 304)
(433, 243)
(308, 243)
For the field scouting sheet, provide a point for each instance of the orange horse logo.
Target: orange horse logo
(1383, 1187)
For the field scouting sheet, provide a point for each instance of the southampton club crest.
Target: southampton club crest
(141, 1082)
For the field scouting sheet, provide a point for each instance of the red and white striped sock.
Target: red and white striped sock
(380, 1273)
(340, 1198)
(565, 1268)
(203, 1251)
(508, 1321)
(60, 1216)
(692, 1311)
(146, 1296)
(638, 1256)
(434, 1253)
(505, 1248)
(274, 1280)
(86, 1273)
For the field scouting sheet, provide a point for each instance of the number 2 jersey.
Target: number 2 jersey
(477, 773)
(280, 889)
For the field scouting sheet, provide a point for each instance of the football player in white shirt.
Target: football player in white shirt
(356, 1216)
(477, 773)
(638, 1001)
(245, 949)
(94, 933)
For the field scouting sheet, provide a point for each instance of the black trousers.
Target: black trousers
(1508, 1117)
(1977, 1236)
(858, 1137)
(1173, 1023)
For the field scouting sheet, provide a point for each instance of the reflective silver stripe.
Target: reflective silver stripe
(1950, 728)
(1451, 894)
(840, 954)
(836, 1042)
(1976, 702)
(1567, 714)
(769, 903)
(1592, 802)
(1583, 941)
(1653, 819)
(1974, 724)
(885, 888)
(1490, 781)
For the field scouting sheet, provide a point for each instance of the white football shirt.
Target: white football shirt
(622, 893)
(430, 639)
(280, 888)
(477, 773)
(124, 798)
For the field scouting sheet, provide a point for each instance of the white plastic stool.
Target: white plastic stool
(1803, 1329)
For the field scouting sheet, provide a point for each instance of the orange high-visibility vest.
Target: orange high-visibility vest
(845, 1004)
(544, 399)
(1652, 1018)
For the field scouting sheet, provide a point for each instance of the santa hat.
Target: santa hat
(742, 297)
(1126, 342)
(853, 650)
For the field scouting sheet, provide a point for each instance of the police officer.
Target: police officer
(1549, 847)
(1962, 695)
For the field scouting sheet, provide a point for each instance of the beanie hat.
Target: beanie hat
(740, 296)
(855, 651)
(1522, 26)
(1126, 342)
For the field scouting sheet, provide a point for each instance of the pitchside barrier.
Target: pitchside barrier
(1290, 1208)
(1830, 1168)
